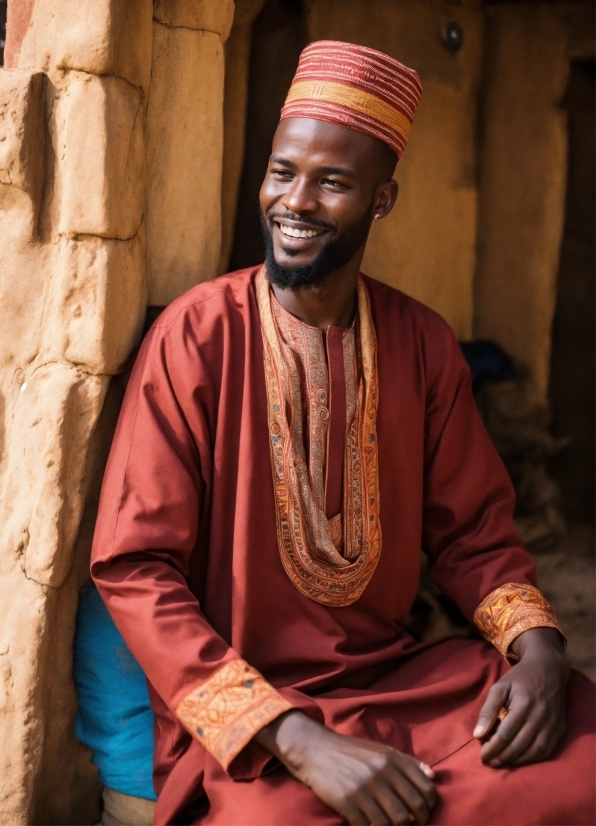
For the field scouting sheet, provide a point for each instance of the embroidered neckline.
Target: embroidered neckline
(308, 541)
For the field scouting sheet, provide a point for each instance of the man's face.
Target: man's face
(317, 200)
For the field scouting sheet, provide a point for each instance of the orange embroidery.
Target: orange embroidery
(509, 611)
(330, 563)
(227, 711)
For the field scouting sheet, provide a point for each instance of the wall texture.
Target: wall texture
(111, 135)
(523, 164)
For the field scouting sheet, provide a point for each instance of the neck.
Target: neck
(331, 303)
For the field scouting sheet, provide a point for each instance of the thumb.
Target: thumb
(497, 697)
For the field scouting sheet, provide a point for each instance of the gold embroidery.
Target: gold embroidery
(323, 568)
(509, 611)
(227, 711)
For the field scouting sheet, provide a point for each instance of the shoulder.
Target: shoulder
(222, 298)
(394, 311)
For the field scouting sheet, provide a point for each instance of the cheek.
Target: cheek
(268, 194)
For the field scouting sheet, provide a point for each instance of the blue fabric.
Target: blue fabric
(115, 719)
(487, 360)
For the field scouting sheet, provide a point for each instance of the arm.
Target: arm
(146, 540)
(476, 557)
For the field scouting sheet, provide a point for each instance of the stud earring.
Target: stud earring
(377, 217)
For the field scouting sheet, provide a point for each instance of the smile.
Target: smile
(292, 232)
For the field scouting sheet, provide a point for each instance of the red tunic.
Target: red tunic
(186, 557)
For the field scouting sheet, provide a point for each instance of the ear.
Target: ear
(385, 197)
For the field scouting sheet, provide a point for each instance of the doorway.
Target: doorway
(572, 361)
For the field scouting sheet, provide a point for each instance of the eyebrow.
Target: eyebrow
(324, 170)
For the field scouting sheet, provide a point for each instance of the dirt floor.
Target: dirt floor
(566, 577)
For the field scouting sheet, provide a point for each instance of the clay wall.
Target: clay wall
(523, 175)
(111, 135)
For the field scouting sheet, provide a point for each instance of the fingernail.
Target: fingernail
(495, 763)
(478, 731)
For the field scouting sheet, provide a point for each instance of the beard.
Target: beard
(333, 255)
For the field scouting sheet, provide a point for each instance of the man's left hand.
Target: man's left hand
(533, 693)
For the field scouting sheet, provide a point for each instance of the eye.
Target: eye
(281, 174)
(333, 184)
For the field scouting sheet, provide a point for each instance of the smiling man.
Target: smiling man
(291, 437)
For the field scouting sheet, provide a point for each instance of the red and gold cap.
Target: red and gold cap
(356, 87)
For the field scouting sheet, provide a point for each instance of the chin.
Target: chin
(288, 259)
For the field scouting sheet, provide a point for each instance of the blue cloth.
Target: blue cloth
(487, 360)
(114, 719)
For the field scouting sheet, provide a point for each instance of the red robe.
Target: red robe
(186, 557)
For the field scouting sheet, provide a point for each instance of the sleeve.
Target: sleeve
(147, 530)
(475, 554)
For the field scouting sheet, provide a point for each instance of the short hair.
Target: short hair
(386, 159)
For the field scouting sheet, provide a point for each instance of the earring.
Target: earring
(377, 217)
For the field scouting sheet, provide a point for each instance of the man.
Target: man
(291, 436)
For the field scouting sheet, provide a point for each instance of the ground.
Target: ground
(566, 577)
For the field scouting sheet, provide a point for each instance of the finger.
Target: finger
(522, 741)
(427, 770)
(355, 816)
(489, 713)
(542, 747)
(377, 817)
(413, 772)
(507, 728)
(410, 797)
(396, 807)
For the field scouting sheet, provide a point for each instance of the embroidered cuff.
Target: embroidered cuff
(510, 610)
(227, 711)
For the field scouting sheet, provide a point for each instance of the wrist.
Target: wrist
(287, 736)
(541, 642)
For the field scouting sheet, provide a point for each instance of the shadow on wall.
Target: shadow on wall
(278, 36)
(3, 7)
(572, 361)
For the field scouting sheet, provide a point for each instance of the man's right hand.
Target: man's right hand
(366, 782)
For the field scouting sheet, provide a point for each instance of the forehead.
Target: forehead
(316, 142)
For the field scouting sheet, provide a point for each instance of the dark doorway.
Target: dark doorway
(573, 364)
(279, 35)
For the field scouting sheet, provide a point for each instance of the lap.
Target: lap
(558, 791)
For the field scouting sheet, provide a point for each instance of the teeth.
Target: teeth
(299, 233)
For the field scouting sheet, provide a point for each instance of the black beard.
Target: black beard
(332, 256)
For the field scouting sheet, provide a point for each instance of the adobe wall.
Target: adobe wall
(109, 173)
(523, 169)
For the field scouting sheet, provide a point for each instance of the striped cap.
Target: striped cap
(356, 87)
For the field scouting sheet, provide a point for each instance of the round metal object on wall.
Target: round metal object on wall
(452, 36)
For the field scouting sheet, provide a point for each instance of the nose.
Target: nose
(300, 198)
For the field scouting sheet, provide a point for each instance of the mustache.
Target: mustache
(303, 219)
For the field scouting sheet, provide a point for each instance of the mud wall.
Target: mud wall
(111, 136)
(523, 175)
